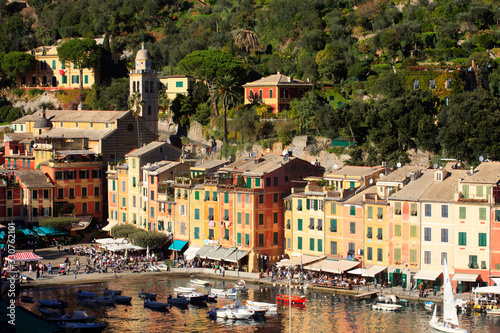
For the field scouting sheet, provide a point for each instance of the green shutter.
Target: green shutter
(353, 210)
(196, 195)
(333, 225)
(238, 238)
(413, 231)
(207, 195)
(226, 197)
(380, 213)
(353, 227)
(226, 234)
(315, 204)
(462, 238)
(397, 230)
(333, 209)
(196, 214)
(86, 78)
(311, 244)
(299, 243)
(482, 213)
(257, 182)
(465, 191)
(247, 240)
(299, 224)
(479, 191)
(214, 196)
(239, 218)
(462, 212)
(308, 204)
(249, 182)
(247, 218)
(413, 256)
(397, 254)
(482, 239)
(299, 204)
(320, 245)
(369, 255)
(196, 233)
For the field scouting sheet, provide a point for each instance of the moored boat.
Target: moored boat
(196, 297)
(101, 300)
(77, 316)
(26, 299)
(48, 313)
(239, 313)
(493, 311)
(107, 291)
(269, 306)
(219, 313)
(53, 304)
(85, 294)
(386, 306)
(184, 289)
(428, 305)
(291, 299)
(121, 299)
(178, 301)
(224, 292)
(154, 305)
(143, 294)
(240, 284)
(200, 282)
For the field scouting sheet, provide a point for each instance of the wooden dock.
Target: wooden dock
(370, 294)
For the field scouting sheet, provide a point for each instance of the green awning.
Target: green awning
(177, 245)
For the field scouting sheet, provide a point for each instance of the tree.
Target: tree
(124, 230)
(83, 53)
(246, 40)
(246, 123)
(208, 65)
(17, 63)
(151, 239)
(306, 108)
(331, 62)
(226, 92)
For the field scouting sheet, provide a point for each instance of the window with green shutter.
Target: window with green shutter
(226, 198)
(315, 204)
(275, 238)
(465, 191)
(380, 254)
(497, 215)
(479, 191)
(333, 208)
(86, 79)
(353, 210)
(311, 244)
(413, 231)
(238, 218)
(249, 182)
(238, 238)
(196, 195)
(299, 224)
(369, 254)
(247, 240)
(196, 214)
(275, 217)
(207, 195)
(482, 239)
(247, 218)
(320, 245)
(299, 204)
(53, 64)
(462, 238)
(214, 196)
(124, 217)
(462, 212)
(196, 233)
(397, 255)
(413, 256)
(308, 204)
(226, 234)
(257, 182)
(482, 213)
(380, 213)
(299, 243)
(114, 185)
(370, 212)
(353, 227)
(261, 240)
(397, 230)
(369, 232)
(333, 225)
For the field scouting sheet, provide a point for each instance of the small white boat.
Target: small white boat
(428, 305)
(85, 294)
(219, 313)
(195, 297)
(240, 284)
(256, 310)
(224, 292)
(78, 316)
(493, 311)
(269, 306)
(107, 291)
(200, 282)
(386, 306)
(153, 268)
(155, 305)
(184, 290)
(239, 313)
(450, 319)
(83, 327)
(162, 267)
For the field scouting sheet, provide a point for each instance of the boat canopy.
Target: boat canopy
(489, 289)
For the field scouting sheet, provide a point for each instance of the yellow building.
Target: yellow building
(176, 84)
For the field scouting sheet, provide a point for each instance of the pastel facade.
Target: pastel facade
(176, 84)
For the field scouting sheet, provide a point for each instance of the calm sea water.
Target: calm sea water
(323, 312)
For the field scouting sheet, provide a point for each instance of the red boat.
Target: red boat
(291, 299)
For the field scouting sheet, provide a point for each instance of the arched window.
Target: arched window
(133, 84)
(149, 110)
(146, 87)
(138, 86)
(151, 87)
(270, 93)
(250, 95)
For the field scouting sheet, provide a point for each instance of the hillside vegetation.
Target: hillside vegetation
(390, 76)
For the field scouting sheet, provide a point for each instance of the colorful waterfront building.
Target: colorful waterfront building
(18, 151)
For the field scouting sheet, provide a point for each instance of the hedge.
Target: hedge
(153, 239)
(59, 223)
(123, 230)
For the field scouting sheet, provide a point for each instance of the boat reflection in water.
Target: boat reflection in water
(323, 312)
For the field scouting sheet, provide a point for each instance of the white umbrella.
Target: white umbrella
(147, 252)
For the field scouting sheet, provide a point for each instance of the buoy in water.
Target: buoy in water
(230, 286)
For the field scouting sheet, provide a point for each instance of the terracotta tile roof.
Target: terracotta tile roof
(75, 116)
(74, 133)
(34, 178)
(402, 173)
(257, 166)
(276, 80)
(354, 171)
(486, 172)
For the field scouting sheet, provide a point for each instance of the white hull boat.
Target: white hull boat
(387, 307)
(269, 306)
(224, 293)
(256, 310)
(184, 290)
(200, 282)
(493, 311)
(77, 317)
(162, 267)
(240, 284)
(239, 313)
(450, 320)
(429, 305)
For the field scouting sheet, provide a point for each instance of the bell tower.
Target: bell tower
(144, 90)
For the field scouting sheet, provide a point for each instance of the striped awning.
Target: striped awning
(24, 256)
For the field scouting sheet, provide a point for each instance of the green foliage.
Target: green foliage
(246, 123)
(18, 92)
(81, 53)
(35, 92)
(8, 113)
(124, 230)
(17, 63)
(59, 223)
(203, 113)
(153, 239)
(113, 97)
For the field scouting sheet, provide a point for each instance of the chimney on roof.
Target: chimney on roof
(278, 72)
(308, 80)
(471, 170)
(289, 79)
(80, 106)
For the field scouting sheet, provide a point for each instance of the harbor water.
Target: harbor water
(323, 312)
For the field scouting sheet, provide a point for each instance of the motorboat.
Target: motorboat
(269, 306)
(107, 291)
(240, 284)
(153, 268)
(257, 311)
(83, 327)
(387, 306)
(224, 292)
(200, 282)
(291, 299)
(143, 294)
(101, 300)
(211, 298)
(48, 313)
(184, 290)
(154, 305)
(121, 299)
(77, 316)
(450, 319)
(219, 313)
(429, 305)
(53, 304)
(493, 311)
(27, 299)
(404, 302)
(178, 301)
(85, 294)
(196, 297)
(239, 313)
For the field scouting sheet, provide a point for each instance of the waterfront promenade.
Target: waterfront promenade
(52, 256)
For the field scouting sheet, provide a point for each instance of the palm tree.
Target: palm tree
(135, 104)
(225, 91)
(246, 40)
